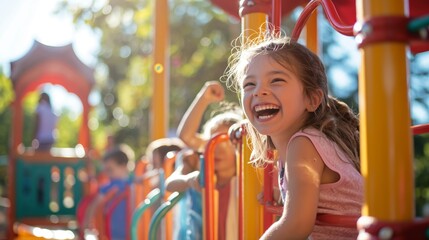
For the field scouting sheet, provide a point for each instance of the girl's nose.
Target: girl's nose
(260, 91)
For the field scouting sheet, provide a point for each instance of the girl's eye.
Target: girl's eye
(248, 84)
(277, 80)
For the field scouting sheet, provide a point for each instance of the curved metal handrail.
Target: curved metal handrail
(420, 129)
(151, 198)
(161, 212)
(331, 14)
(209, 159)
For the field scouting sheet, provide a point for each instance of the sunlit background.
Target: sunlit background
(26, 20)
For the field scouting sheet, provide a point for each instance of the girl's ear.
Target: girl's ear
(314, 100)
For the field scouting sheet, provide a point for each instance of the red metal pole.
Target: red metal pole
(420, 129)
(331, 15)
(208, 207)
(276, 15)
(268, 195)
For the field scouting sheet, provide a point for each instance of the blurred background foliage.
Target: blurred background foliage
(200, 38)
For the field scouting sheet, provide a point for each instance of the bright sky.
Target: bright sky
(23, 21)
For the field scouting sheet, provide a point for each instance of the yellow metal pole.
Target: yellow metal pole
(311, 33)
(386, 155)
(252, 210)
(160, 70)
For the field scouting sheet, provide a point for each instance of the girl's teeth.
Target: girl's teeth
(265, 117)
(265, 107)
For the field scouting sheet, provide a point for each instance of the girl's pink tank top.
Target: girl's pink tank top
(343, 197)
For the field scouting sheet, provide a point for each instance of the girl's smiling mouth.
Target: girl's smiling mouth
(265, 111)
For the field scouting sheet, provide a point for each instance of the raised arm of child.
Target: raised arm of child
(211, 92)
(150, 174)
(304, 171)
(186, 175)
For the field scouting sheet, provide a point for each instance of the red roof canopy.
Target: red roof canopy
(47, 64)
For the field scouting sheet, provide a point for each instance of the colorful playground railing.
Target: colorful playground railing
(99, 221)
(209, 198)
(161, 212)
(151, 198)
(144, 207)
(102, 224)
(169, 164)
(207, 181)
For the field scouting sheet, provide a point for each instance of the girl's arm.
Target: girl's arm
(188, 127)
(304, 168)
(181, 182)
(184, 176)
(149, 174)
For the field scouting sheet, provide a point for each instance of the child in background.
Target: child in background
(188, 213)
(186, 176)
(157, 150)
(284, 95)
(156, 153)
(45, 124)
(116, 166)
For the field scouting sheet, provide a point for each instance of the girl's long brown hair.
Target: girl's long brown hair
(334, 118)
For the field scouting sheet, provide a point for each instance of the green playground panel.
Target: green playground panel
(34, 184)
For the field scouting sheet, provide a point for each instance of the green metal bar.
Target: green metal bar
(161, 212)
(151, 198)
(418, 23)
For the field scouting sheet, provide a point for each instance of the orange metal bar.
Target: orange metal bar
(209, 226)
(311, 33)
(16, 137)
(386, 153)
(159, 108)
(252, 215)
(168, 170)
(142, 190)
(240, 161)
(99, 218)
(84, 133)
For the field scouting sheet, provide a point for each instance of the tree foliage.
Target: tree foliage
(7, 96)
(200, 38)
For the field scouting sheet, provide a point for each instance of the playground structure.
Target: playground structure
(384, 32)
(44, 188)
